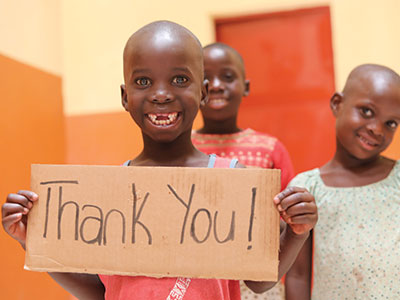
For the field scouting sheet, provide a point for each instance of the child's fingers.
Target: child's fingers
(13, 208)
(301, 209)
(295, 198)
(11, 220)
(304, 219)
(29, 194)
(20, 199)
(287, 192)
(285, 217)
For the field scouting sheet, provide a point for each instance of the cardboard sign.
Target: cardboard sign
(154, 221)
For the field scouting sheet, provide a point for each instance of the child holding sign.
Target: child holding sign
(224, 69)
(356, 241)
(164, 88)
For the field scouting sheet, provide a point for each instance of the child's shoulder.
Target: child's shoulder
(396, 171)
(396, 167)
(265, 138)
(307, 179)
(259, 134)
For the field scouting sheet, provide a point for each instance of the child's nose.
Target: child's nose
(161, 95)
(376, 128)
(216, 84)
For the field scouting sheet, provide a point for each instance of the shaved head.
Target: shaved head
(231, 50)
(161, 33)
(370, 78)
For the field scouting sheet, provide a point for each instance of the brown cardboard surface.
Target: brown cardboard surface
(154, 221)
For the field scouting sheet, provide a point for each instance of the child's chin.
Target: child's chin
(164, 138)
(217, 115)
(362, 155)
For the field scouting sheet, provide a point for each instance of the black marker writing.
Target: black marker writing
(98, 219)
(46, 220)
(184, 204)
(193, 226)
(135, 217)
(61, 211)
(253, 202)
(105, 225)
(231, 234)
(48, 200)
(101, 236)
(212, 223)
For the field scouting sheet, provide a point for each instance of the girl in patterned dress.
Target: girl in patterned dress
(356, 241)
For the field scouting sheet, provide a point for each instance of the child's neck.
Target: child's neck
(347, 171)
(227, 126)
(179, 153)
(346, 161)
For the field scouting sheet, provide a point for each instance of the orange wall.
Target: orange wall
(104, 139)
(31, 130)
(394, 149)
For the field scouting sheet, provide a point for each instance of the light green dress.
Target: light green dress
(356, 239)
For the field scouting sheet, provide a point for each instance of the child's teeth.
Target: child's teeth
(366, 141)
(218, 100)
(171, 118)
(152, 117)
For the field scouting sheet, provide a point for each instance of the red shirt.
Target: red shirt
(251, 148)
(139, 287)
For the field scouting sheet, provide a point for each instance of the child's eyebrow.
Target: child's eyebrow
(139, 71)
(228, 69)
(182, 69)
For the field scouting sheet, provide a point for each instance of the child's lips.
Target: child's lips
(217, 103)
(163, 119)
(368, 142)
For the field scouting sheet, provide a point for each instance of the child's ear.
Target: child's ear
(204, 93)
(124, 98)
(336, 103)
(246, 87)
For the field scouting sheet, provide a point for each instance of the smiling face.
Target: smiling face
(368, 113)
(163, 81)
(224, 70)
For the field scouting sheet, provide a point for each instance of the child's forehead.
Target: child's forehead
(161, 34)
(163, 48)
(378, 84)
(221, 53)
(163, 54)
(382, 93)
(221, 57)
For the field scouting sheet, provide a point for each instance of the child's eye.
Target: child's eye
(367, 112)
(392, 124)
(228, 77)
(143, 81)
(179, 80)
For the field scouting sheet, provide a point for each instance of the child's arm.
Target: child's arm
(298, 278)
(298, 209)
(14, 219)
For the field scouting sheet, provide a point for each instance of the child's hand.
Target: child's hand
(14, 214)
(297, 208)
